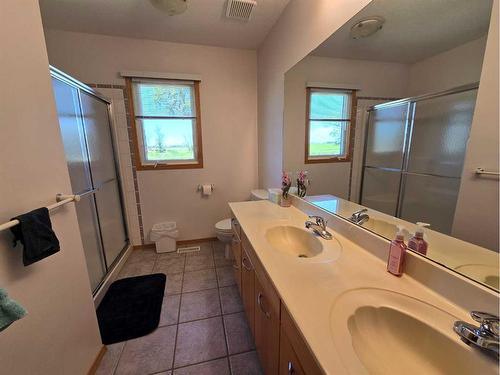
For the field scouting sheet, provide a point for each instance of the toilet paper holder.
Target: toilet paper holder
(200, 187)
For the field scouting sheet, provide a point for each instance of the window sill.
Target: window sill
(159, 166)
(327, 160)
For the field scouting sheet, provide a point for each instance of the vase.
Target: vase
(286, 201)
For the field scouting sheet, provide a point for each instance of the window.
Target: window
(167, 124)
(329, 125)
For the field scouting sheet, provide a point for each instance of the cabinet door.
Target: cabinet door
(267, 329)
(298, 352)
(248, 288)
(236, 248)
(289, 362)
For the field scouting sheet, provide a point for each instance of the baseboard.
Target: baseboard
(197, 240)
(144, 247)
(179, 243)
(97, 361)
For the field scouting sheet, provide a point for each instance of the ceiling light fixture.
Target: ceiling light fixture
(366, 27)
(172, 7)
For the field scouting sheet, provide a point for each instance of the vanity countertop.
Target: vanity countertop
(465, 257)
(309, 290)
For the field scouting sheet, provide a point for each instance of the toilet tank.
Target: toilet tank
(259, 195)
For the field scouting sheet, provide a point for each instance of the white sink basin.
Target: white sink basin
(302, 244)
(485, 273)
(377, 331)
(383, 228)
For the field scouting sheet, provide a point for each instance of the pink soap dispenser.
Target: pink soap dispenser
(397, 252)
(417, 242)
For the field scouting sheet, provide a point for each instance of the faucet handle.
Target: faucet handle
(319, 220)
(483, 317)
(489, 322)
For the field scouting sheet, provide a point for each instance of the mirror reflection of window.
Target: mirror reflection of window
(328, 125)
(417, 123)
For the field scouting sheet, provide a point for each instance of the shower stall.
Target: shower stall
(84, 120)
(414, 154)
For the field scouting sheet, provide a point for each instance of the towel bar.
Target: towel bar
(479, 171)
(61, 200)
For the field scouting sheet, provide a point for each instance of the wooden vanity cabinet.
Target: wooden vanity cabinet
(294, 351)
(279, 343)
(267, 327)
(236, 250)
(248, 287)
(289, 362)
(263, 310)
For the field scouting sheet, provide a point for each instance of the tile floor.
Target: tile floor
(203, 329)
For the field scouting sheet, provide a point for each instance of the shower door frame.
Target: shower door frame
(80, 86)
(409, 124)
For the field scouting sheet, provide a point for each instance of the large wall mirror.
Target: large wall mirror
(381, 116)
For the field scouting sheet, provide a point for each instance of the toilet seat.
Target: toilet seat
(224, 226)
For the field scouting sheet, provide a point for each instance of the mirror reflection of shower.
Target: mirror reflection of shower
(406, 147)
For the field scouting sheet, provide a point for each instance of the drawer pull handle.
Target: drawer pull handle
(235, 266)
(291, 370)
(247, 267)
(259, 302)
(236, 240)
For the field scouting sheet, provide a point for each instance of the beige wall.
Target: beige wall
(228, 110)
(59, 335)
(476, 216)
(458, 66)
(372, 78)
(301, 28)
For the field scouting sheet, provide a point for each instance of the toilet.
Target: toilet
(259, 195)
(223, 229)
(224, 233)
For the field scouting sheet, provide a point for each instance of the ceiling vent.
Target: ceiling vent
(240, 9)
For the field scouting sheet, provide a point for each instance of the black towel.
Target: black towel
(35, 233)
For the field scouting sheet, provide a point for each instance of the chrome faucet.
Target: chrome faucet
(319, 227)
(359, 217)
(485, 336)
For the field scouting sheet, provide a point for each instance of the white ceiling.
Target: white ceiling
(414, 30)
(202, 23)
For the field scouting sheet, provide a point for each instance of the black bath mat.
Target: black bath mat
(131, 308)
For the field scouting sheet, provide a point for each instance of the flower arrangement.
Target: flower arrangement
(286, 183)
(301, 183)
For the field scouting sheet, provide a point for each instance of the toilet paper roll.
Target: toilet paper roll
(206, 189)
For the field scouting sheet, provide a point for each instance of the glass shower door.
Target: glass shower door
(384, 156)
(436, 155)
(104, 175)
(440, 134)
(72, 132)
(86, 133)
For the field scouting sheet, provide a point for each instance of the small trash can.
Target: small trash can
(164, 236)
